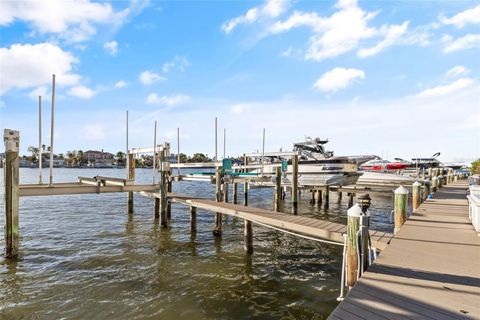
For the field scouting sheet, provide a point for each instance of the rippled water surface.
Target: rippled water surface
(84, 257)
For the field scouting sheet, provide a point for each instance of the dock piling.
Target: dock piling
(434, 184)
(130, 177)
(235, 192)
(353, 226)
(248, 236)
(400, 208)
(278, 189)
(440, 182)
(164, 169)
(295, 184)
(416, 197)
(193, 219)
(11, 139)
(217, 231)
(326, 197)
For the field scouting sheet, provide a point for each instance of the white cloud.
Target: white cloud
(342, 31)
(448, 89)
(240, 108)
(73, 20)
(469, 16)
(392, 35)
(457, 71)
(94, 132)
(179, 62)
(121, 84)
(39, 91)
(111, 47)
(338, 78)
(26, 66)
(82, 92)
(148, 77)
(169, 101)
(271, 9)
(468, 41)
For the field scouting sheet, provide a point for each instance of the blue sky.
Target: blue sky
(392, 78)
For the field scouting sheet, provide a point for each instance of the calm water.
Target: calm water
(84, 257)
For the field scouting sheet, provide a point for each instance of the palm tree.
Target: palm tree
(34, 151)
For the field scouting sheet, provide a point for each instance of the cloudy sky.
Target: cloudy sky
(392, 78)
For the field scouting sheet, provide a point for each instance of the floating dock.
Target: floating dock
(430, 269)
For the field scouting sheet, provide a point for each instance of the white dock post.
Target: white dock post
(11, 139)
(416, 197)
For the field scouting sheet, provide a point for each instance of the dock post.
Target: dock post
(430, 173)
(169, 189)
(434, 184)
(193, 219)
(235, 192)
(318, 197)
(11, 139)
(350, 199)
(248, 236)
(218, 196)
(440, 182)
(245, 184)
(416, 197)
(164, 169)
(312, 196)
(401, 195)
(326, 197)
(353, 226)
(131, 177)
(455, 177)
(156, 208)
(278, 189)
(295, 183)
(225, 191)
(427, 190)
(339, 196)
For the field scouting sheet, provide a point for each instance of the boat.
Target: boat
(316, 166)
(384, 165)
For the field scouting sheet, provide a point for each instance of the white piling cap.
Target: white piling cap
(434, 178)
(417, 184)
(355, 211)
(401, 190)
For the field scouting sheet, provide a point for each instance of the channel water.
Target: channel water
(84, 257)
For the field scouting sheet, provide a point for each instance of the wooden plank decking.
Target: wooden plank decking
(317, 228)
(430, 270)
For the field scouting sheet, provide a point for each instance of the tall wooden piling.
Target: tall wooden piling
(278, 189)
(326, 197)
(427, 190)
(400, 208)
(351, 196)
(248, 236)
(295, 184)
(235, 193)
(217, 231)
(11, 139)
(193, 219)
(339, 197)
(318, 196)
(416, 197)
(245, 184)
(353, 226)
(169, 189)
(225, 191)
(131, 177)
(164, 169)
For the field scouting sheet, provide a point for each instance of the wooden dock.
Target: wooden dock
(430, 270)
(312, 227)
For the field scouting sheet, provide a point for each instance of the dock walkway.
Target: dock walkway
(430, 269)
(312, 227)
